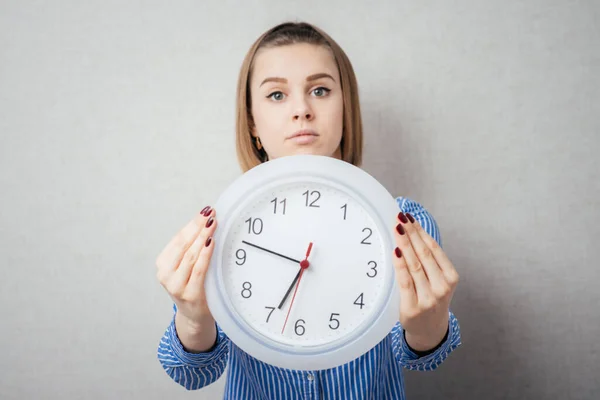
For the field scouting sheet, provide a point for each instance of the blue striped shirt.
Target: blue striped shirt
(376, 374)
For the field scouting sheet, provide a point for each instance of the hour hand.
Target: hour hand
(271, 251)
(303, 265)
(290, 289)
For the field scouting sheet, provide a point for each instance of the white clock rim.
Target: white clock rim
(291, 357)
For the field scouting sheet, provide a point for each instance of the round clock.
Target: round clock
(301, 275)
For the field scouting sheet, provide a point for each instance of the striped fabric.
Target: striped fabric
(376, 374)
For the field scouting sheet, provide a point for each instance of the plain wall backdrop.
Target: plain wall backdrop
(117, 126)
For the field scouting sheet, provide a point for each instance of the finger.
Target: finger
(415, 268)
(439, 254)
(182, 274)
(408, 296)
(437, 280)
(172, 254)
(195, 285)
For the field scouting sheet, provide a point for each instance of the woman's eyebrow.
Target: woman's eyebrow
(319, 76)
(274, 79)
(313, 77)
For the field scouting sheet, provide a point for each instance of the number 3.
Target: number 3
(374, 269)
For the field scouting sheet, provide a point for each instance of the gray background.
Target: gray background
(116, 123)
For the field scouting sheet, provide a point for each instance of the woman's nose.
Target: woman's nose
(303, 112)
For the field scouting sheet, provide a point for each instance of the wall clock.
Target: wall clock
(301, 276)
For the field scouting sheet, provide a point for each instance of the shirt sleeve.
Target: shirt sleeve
(402, 352)
(192, 370)
(409, 360)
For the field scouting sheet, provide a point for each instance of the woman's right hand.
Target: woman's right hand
(183, 263)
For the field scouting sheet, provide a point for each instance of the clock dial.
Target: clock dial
(341, 288)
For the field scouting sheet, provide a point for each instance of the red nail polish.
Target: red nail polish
(208, 241)
(410, 217)
(204, 210)
(400, 229)
(402, 218)
(209, 222)
(398, 252)
(207, 212)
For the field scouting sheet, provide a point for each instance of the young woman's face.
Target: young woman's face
(297, 103)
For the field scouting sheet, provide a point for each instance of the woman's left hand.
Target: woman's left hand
(427, 280)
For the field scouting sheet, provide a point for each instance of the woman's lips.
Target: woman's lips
(304, 139)
(304, 136)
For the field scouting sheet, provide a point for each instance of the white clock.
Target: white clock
(286, 308)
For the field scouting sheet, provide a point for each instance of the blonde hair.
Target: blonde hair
(284, 34)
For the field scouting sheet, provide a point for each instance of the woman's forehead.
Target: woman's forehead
(293, 62)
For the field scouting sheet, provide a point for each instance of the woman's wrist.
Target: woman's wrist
(196, 336)
(423, 353)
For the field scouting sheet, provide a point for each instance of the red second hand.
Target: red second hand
(303, 264)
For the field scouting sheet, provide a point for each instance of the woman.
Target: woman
(297, 94)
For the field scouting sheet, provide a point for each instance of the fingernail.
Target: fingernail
(207, 212)
(209, 222)
(204, 210)
(398, 252)
(412, 220)
(402, 218)
(208, 241)
(400, 229)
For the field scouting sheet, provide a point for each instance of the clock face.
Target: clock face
(342, 288)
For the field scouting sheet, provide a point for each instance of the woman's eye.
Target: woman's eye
(277, 96)
(321, 91)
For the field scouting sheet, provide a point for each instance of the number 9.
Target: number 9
(242, 257)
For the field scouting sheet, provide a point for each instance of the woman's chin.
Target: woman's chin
(306, 150)
(310, 150)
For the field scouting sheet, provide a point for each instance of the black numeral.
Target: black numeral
(359, 303)
(373, 268)
(364, 241)
(299, 327)
(270, 312)
(345, 207)
(337, 322)
(312, 204)
(246, 292)
(254, 225)
(274, 201)
(241, 257)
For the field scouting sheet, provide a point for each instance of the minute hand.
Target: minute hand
(272, 252)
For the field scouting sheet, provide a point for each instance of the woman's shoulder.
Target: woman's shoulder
(407, 204)
(421, 214)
